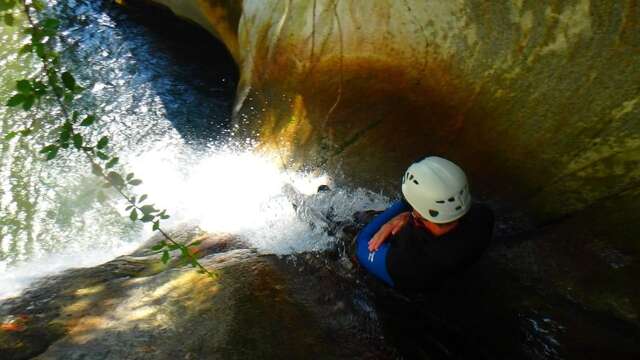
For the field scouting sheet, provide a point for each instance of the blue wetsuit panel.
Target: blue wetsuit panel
(376, 262)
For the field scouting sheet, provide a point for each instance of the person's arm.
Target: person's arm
(368, 232)
(379, 220)
(390, 228)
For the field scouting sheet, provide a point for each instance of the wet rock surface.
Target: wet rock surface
(134, 307)
(310, 305)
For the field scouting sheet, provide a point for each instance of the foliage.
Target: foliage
(58, 84)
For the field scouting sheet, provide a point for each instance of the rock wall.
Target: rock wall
(539, 101)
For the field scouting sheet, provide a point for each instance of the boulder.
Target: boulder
(134, 307)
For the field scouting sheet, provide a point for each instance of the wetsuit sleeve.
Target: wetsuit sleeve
(375, 262)
(372, 228)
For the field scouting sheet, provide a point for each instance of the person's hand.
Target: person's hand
(390, 228)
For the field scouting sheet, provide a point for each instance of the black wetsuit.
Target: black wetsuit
(418, 260)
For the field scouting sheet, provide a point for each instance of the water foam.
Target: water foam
(249, 194)
(222, 190)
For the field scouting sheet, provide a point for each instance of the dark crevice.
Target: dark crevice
(205, 64)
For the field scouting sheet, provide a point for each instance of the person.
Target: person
(435, 232)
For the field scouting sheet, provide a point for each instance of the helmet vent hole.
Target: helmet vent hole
(410, 176)
(433, 213)
(450, 199)
(440, 201)
(458, 207)
(415, 182)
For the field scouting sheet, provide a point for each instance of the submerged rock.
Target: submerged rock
(136, 308)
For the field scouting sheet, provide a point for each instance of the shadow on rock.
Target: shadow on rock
(135, 307)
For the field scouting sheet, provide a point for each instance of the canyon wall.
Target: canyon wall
(539, 101)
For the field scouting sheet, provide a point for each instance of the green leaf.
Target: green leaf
(147, 218)
(156, 225)
(41, 51)
(143, 198)
(133, 215)
(10, 135)
(89, 120)
(96, 169)
(26, 49)
(78, 89)
(147, 209)
(158, 246)
(135, 182)
(77, 141)
(132, 199)
(47, 149)
(129, 176)
(58, 91)
(26, 132)
(164, 217)
(52, 154)
(102, 155)
(39, 88)
(28, 102)
(129, 207)
(8, 19)
(67, 98)
(7, 4)
(112, 163)
(55, 58)
(24, 86)
(68, 80)
(65, 134)
(38, 5)
(16, 100)
(165, 257)
(50, 24)
(52, 76)
(75, 116)
(103, 142)
(116, 179)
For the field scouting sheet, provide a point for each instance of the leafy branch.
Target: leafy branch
(70, 131)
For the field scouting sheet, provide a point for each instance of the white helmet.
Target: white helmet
(437, 189)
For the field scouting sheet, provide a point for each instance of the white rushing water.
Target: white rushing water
(243, 193)
(220, 190)
(165, 105)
